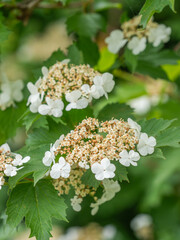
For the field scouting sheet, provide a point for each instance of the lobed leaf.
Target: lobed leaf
(85, 24)
(38, 205)
(89, 179)
(154, 6)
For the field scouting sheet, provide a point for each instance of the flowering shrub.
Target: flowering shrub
(95, 122)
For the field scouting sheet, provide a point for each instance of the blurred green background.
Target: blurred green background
(154, 187)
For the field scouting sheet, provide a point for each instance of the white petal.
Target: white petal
(96, 168)
(82, 103)
(5, 148)
(56, 112)
(55, 174)
(45, 71)
(152, 141)
(32, 89)
(99, 176)
(98, 81)
(70, 106)
(105, 163)
(44, 109)
(73, 96)
(26, 159)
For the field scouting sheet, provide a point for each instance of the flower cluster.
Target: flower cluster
(65, 83)
(9, 162)
(94, 146)
(91, 231)
(10, 92)
(137, 38)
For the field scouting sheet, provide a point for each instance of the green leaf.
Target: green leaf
(37, 143)
(154, 6)
(89, 49)
(89, 179)
(121, 172)
(9, 121)
(4, 33)
(105, 5)
(86, 24)
(159, 57)
(106, 61)
(130, 60)
(75, 116)
(75, 55)
(161, 180)
(33, 166)
(158, 154)
(154, 126)
(115, 110)
(148, 69)
(56, 56)
(169, 137)
(33, 120)
(38, 205)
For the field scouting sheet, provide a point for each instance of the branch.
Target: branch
(27, 6)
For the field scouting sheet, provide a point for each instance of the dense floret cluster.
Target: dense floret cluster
(67, 84)
(10, 163)
(95, 146)
(136, 37)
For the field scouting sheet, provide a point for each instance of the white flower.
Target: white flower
(88, 91)
(137, 45)
(110, 189)
(19, 160)
(34, 93)
(10, 171)
(65, 61)
(48, 158)
(10, 91)
(75, 203)
(5, 148)
(159, 34)
(141, 104)
(141, 221)
(35, 98)
(53, 107)
(57, 142)
(104, 169)
(76, 102)
(135, 126)
(45, 71)
(83, 164)
(109, 232)
(102, 85)
(127, 158)
(61, 169)
(115, 41)
(146, 144)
